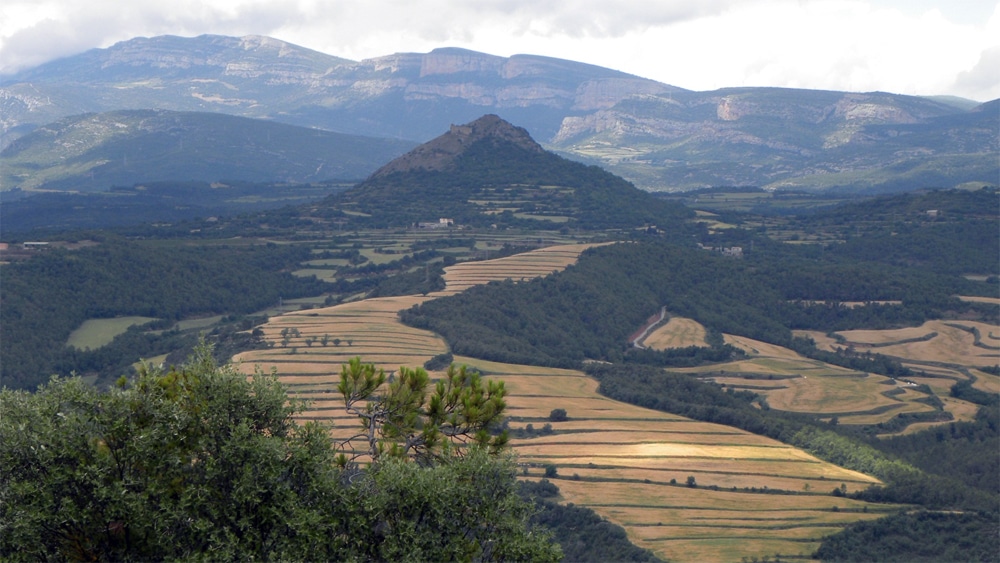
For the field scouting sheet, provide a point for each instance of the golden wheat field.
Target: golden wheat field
(519, 267)
(677, 332)
(629, 464)
(618, 459)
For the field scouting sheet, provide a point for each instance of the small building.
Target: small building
(442, 223)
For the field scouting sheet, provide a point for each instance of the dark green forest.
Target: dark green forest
(45, 298)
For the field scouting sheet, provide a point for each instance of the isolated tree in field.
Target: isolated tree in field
(558, 415)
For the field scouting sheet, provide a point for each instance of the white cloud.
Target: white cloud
(905, 46)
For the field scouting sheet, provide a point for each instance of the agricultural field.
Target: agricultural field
(677, 332)
(94, 333)
(748, 495)
(633, 465)
(941, 353)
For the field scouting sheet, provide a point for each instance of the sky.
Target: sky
(916, 47)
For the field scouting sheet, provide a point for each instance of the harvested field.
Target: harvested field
(757, 348)
(617, 445)
(823, 342)
(986, 381)
(678, 332)
(827, 395)
(953, 342)
(972, 299)
(520, 267)
(695, 524)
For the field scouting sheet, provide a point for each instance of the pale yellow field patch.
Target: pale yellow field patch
(949, 344)
(520, 267)
(659, 496)
(648, 436)
(782, 468)
(974, 299)
(832, 394)
(663, 450)
(501, 369)
(757, 348)
(616, 501)
(822, 340)
(708, 479)
(986, 381)
(678, 424)
(561, 386)
(654, 516)
(677, 332)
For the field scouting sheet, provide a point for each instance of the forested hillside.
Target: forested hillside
(45, 298)
(588, 311)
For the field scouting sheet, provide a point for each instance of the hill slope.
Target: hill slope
(92, 152)
(489, 172)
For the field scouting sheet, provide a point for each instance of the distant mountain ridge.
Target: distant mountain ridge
(93, 152)
(659, 136)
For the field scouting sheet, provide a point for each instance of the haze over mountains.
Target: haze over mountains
(659, 136)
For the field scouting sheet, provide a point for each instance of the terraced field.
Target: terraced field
(632, 465)
(751, 496)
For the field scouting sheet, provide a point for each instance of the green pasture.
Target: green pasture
(94, 333)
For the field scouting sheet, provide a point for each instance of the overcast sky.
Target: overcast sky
(919, 47)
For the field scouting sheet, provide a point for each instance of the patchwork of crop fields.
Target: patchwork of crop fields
(748, 495)
(940, 353)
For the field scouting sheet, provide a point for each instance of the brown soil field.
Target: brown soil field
(678, 332)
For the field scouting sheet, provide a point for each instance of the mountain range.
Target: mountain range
(94, 151)
(659, 136)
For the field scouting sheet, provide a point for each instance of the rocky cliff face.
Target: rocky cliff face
(658, 136)
(257, 76)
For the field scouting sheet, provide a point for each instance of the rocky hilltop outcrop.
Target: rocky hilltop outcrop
(440, 153)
